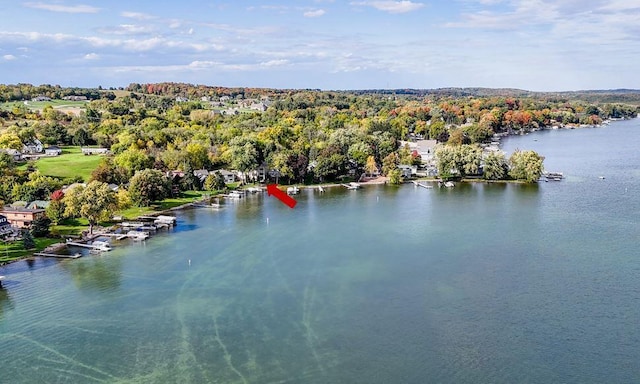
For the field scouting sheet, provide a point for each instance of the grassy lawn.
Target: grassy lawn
(7, 106)
(187, 197)
(14, 250)
(71, 163)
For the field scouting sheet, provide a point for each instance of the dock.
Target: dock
(419, 184)
(57, 255)
(97, 247)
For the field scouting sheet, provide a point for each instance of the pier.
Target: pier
(57, 255)
(96, 246)
(419, 184)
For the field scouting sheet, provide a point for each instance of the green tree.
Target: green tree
(215, 182)
(133, 160)
(94, 202)
(495, 166)
(526, 166)
(390, 163)
(55, 211)
(147, 186)
(40, 227)
(27, 240)
(395, 176)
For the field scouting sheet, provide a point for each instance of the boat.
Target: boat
(254, 190)
(320, 189)
(101, 246)
(555, 176)
(293, 190)
(235, 195)
(352, 186)
(138, 235)
(449, 184)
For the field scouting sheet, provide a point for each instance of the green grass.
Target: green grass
(39, 105)
(187, 197)
(71, 163)
(14, 250)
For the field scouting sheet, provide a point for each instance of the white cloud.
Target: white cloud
(314, 13)
(137, 15)
(127, 29)
(9, 57)
(91, 56)
(391, 6)
(274, 63)
(80, 8)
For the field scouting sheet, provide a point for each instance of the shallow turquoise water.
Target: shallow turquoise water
(476, 284)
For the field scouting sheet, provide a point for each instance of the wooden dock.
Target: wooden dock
(419, 184)
(57, 255)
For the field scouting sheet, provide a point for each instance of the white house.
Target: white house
(229, 177)
(15, 154)
(32, 147)
(53, 150)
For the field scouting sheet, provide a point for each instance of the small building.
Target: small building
(15, 154)
(75, 98)
(94, 151)
(53, 150)
(5, 226)
(41, 98)
(22, 217)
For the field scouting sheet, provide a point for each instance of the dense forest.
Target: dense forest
(298, 135)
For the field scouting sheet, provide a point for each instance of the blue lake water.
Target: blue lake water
(481, 283)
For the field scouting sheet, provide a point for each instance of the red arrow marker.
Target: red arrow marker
(272, 189)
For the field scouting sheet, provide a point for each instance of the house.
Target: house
(408, 171)
(15, 154)
(113, 187)
(201, 174)
(22, 217)
(53, 150)
(426, 149)
(5, 226)
(41, 98)
(33, 147)
(229, 177)
(38, 204)
(94, 151)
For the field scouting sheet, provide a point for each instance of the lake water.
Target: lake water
(481, 283)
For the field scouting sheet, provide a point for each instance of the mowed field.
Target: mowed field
(66, 106)
(71, 163)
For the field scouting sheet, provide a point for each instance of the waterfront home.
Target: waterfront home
(407, 170)
(53, 150)
(423, 148)
(22, 217)
(229, 177)
(201, 174)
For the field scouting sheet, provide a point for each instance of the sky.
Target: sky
(536, 45)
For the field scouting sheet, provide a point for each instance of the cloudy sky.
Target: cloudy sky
(539, 45)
